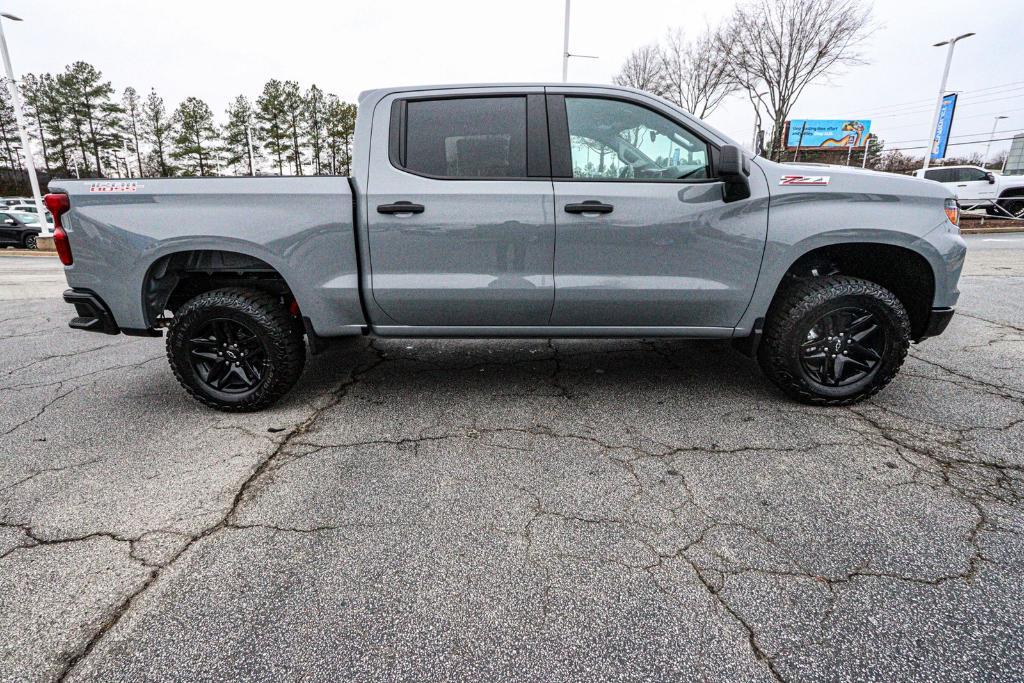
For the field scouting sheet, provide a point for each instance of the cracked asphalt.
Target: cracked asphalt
(538, 510)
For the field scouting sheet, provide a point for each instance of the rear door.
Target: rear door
(644, 236)
(460, 210)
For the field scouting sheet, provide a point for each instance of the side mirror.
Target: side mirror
(990, 177)
(734, 172)
(9, 221)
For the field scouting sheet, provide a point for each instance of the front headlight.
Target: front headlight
(953, 212)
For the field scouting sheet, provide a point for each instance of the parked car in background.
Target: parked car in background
(18, 229)
(977, 188)
(29, 208)
(11, 201)
(447, 228)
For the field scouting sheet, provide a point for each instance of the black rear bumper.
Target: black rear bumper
(93, 314)
(938, 321)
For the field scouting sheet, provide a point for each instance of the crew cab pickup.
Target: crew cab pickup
(518, 211)
(976, 188)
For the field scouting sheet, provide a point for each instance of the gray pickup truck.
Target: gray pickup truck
(518, 211)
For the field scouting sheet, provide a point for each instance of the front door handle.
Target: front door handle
(589, 206)
(400, 207)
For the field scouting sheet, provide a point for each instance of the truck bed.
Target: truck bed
(302, 227)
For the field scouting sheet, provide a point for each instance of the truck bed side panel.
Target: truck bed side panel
(303, 227)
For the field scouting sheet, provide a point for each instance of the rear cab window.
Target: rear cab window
(463, 137)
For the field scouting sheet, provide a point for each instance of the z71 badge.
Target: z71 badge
(804, 180)
(114, 187)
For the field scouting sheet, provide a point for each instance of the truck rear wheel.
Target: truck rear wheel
(236, 349)
(834, 340)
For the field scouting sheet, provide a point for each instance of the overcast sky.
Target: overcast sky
(216, 49)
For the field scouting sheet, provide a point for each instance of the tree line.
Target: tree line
(82, 127)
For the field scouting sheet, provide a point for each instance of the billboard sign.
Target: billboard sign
(943, 126)
(812, 133)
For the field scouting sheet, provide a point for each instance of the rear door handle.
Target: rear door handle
(400, 207)
(589, 206)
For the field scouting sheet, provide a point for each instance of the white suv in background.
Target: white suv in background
(975, 183)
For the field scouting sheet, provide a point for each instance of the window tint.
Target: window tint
(614, 139)
(942, 175)
(467, 138)
(971, 174)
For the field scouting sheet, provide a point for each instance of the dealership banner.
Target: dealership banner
(810, 133)
(943, 126)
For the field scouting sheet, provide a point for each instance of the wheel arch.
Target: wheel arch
(904, 271)
(176, 276)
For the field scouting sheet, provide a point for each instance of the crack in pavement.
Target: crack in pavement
(225, 521)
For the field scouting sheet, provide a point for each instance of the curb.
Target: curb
(993, 230)
(31, 253)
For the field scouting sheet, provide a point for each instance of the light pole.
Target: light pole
(565, 47)
(995, 123)
(942, 93)
(22, 128)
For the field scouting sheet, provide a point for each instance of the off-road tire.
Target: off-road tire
(794, 313)
(263, 313)
(29, 242)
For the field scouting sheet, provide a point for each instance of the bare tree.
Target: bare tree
(696, 74)
(776, 48)
(642, 70)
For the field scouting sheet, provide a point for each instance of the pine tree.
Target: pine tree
(131, 103)
(195, 137)
(32, 92)
(272, 122)
(241, 119)
(8, 130)
(157, 128)
(53, 112)
(292, 105)
(65, 88)
(340, 127)
(315, 115)
(96, 113)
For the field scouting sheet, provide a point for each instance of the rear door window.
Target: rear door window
(465, 138)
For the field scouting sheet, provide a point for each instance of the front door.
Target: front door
(973, 183)
(9, 229)
(644, 237)
(461, 212)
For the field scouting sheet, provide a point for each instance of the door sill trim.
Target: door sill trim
(546, 331)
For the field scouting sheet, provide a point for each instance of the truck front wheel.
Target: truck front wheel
(834, 340)
(236, 349)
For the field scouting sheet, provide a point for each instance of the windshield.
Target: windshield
(26, 218)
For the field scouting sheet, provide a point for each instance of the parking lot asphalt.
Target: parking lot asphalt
(512, 510)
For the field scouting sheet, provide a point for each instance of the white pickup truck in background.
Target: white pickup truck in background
(976, 188)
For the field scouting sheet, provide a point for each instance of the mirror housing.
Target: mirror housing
(734, 172)
(990, 177)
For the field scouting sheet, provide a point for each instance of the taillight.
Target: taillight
(58, 204)
(953, 211)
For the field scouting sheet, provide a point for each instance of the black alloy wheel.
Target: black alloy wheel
(236, 349)
(30, 242)
(834, 340)
(227, 356)
(843, 347)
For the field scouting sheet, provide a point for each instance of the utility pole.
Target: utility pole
(565, 46)
(30, 165)
(942, 93)
(995, 123)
